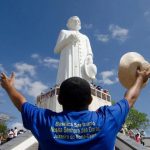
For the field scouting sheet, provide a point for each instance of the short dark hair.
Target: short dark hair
(75, 92)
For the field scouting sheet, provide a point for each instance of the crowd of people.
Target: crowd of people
(12, 133)
(100, 88)
(136, 135)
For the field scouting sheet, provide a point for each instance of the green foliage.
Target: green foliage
(3, 128)
(137, 119)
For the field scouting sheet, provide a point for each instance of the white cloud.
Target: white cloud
(35, 88)
(102, 37)
(115, 32)
(30, 87)
(35, 56)
(4, 117)
(87, 26)
(22, 82)
(23, 68)
(108, 77)
(47, 62)
(118, 32)
(25, 82)
(51, 62)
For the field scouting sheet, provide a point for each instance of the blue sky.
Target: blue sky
(29, 30)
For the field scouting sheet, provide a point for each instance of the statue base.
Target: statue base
(49, 99)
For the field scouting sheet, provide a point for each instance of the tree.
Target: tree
(3, 128)
(3, 124)
(137, 119)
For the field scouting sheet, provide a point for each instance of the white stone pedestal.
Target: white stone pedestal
(49, 99)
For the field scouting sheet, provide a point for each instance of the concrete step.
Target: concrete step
(33, 147)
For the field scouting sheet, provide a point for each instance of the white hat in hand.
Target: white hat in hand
(129, 63)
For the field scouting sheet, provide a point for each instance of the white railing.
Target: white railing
(100, 93)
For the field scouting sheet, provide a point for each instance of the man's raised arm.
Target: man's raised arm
(132, 94)
(8, 84)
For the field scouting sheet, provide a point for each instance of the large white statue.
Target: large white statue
(76, 57)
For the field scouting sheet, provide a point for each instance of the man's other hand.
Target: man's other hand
(144, 74)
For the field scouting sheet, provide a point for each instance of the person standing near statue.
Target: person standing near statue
(76, 57)
(76, 127)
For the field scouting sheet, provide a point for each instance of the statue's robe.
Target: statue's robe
(72, 55)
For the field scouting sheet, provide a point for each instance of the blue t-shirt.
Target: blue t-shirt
(70, 130)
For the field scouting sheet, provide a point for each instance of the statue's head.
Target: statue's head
(74, 23)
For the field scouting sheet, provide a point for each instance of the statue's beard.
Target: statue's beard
(76, 28)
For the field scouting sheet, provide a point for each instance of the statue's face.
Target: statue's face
(74, 23)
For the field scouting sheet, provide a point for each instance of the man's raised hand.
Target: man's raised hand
(7, 81)
(145, 74)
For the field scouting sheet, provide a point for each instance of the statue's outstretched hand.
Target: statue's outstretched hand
(5, 81)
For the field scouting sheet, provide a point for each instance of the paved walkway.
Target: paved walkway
(27, 140)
